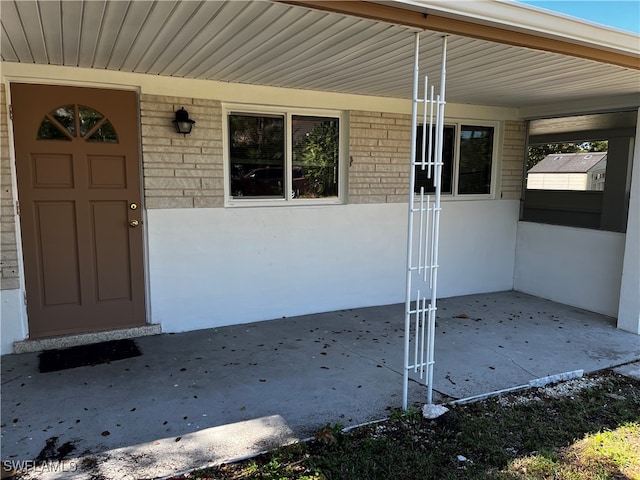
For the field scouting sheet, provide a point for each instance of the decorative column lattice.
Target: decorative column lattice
(423, 228)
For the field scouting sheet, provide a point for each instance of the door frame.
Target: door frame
(8, 80)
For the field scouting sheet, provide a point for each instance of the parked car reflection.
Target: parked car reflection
(267, 182)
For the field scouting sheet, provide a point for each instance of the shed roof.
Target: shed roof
(568, 162)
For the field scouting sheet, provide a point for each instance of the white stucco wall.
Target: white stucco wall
(213, 267)
(574, 266)
(477, 246)
(629, 308)
(13, 326)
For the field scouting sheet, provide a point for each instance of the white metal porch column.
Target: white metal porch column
(423, 230)
(629, 305)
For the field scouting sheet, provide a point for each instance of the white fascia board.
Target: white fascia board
(231, 92)
(583, 106)
(519, 17)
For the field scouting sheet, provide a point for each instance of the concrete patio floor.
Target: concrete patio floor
(219, 394)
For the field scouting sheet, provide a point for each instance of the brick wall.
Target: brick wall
(182, 172)
(188, 172)
(9, 277)
(513, 157)
(379, 147)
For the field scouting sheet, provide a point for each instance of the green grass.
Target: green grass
(611, 454)
(592, 434)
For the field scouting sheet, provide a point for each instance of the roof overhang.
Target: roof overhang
(507, 23)
(579, 128)
(500, 53)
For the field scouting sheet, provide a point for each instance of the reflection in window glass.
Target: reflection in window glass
(567, 166)
(447, 160)
(49, 131)
(105, 133)
(315, 143)
(88, 118)
(66, 116)
(256, 147)
(476, 151)
(65, 119)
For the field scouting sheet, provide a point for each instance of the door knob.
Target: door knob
(134, 223)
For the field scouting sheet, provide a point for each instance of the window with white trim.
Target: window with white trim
(468, 157)
(282, 156)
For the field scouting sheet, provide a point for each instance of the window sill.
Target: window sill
(445, 197)
(256, 202)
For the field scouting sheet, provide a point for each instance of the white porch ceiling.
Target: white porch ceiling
(265, 43)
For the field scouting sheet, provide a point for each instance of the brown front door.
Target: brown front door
(78, 175)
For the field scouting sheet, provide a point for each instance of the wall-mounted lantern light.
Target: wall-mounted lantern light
(182, 122)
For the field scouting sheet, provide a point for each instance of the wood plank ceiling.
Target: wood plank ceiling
(265, 43)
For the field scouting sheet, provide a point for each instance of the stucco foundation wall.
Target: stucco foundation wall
(574, 266)
(12, 327)
(477, 246)
(214, 267)
(629, 309)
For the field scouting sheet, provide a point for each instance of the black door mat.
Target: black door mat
(83, 355)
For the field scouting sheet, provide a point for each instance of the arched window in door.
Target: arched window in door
(69, 122)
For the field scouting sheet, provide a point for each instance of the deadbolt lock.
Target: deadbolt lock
(133, 206)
